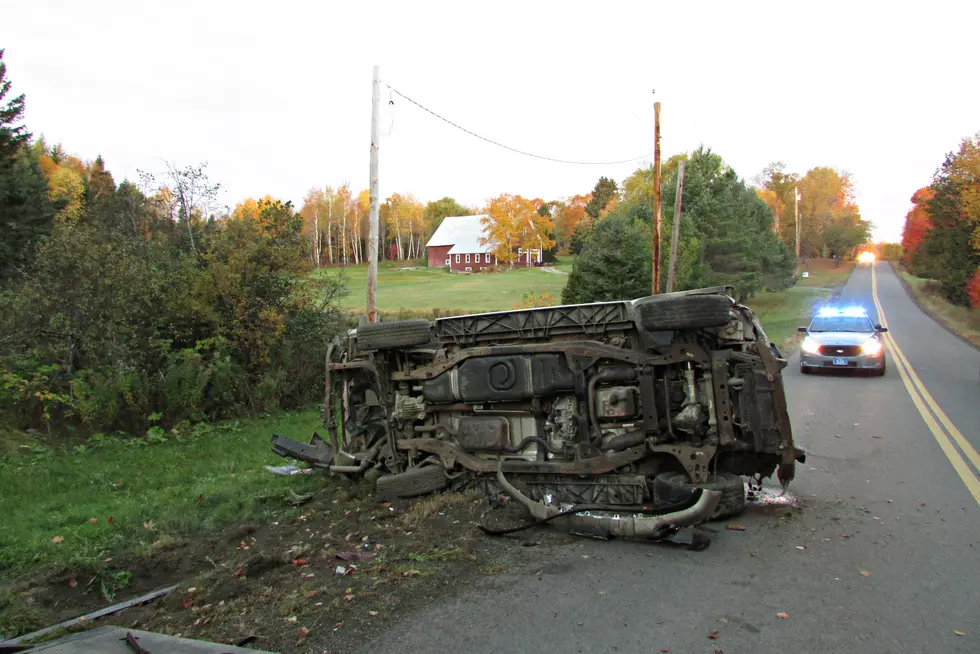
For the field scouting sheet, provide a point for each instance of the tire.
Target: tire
(412, 483)
(879, 372)
(671, 487)
(804, 370)
(663, 313)
(398, 333)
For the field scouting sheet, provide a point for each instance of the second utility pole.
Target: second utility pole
(656, 198)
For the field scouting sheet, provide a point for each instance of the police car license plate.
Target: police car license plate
(838, 361)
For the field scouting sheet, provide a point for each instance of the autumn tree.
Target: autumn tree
(950, 249)
(776, 187)
(406, 224)
(513, 223)
(26, 212)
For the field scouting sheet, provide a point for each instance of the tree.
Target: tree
(776, 186)
(614, 263)
(12, 136)
(605, 190)
(949, 251)
(568, 214)
(26, 212)
(513, 223)
(437, 210)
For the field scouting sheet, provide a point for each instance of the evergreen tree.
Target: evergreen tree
(25, 211)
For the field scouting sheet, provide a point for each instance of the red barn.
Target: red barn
(456, 245)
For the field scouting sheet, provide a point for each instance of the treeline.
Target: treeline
(125, 305)
(730, 232)
(941, 237)
(335, 224)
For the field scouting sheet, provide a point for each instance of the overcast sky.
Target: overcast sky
(276, 96)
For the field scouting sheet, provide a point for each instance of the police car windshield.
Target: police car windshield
(860, 324)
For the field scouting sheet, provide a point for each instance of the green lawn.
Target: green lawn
(425, 289)
(78, 508)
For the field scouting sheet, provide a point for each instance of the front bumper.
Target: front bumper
(859, 362)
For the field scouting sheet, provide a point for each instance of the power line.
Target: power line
(507, 147)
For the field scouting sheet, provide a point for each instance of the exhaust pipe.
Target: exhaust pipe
(620, 524)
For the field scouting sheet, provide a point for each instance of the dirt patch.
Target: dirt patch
(342, 571)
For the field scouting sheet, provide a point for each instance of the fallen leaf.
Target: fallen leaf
(291, 619)
(651, 554)
(802, 548)
(713, 635)
(239, 571)
(734, 527)
(865, 573)
(960, 633)
(753, 553)
(782, 615)
(148, 525)
(603, 592)
(188, 602)
(876, 437)
(356, 556)
(303, 632)
(57, 539)
(299, 562)
(411, 573)
(192, 589)
(308, 594)
(348, 537)
(586, 556)
(94, 521)
(664, 650)
(723, 620)
(718, 650)
(372, 613)
(199, 498)
(348, 598)
(72, 582)
(109, 520)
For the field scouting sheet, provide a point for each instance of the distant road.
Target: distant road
(883, 554)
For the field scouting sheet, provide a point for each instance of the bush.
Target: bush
(973, 290)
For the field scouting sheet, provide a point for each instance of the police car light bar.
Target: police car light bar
(849, 312)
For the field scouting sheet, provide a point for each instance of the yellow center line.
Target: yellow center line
(927, 406)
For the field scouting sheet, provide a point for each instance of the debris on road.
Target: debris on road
(713, 635)
(734, 527)
(782, 615)
(865, 573)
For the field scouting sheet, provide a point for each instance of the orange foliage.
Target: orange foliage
(973, 289)
(514, 222)
(917, 223)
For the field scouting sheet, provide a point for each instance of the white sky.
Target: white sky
(276, 96)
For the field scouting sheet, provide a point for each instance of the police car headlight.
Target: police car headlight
(871, 347)
(810, 345)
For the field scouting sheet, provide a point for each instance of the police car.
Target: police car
(842, 338)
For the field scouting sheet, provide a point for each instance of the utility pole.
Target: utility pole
(796, 219)
(676, 233)
(372, 289)
(656, 198)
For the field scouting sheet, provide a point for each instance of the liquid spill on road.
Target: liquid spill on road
(768, 500)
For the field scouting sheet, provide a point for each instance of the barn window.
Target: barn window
(457, 258)
(448, 261)
(478, 258)
(467, 258)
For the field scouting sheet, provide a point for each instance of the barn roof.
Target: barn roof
(463, 233)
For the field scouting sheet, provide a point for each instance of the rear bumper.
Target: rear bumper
(859, 362)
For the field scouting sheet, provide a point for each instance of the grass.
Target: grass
(962, 321)
(782, 312)
(115, 497)
(431, 288)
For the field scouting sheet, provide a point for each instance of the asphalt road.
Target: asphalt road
(879, 494)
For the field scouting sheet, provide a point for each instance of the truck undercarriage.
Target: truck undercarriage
(628, 416)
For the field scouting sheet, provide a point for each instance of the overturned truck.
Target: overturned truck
(624, 418)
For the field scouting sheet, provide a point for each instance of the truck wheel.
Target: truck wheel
(394, 334)
(673, 487)
(663, 313)
(412, 483)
